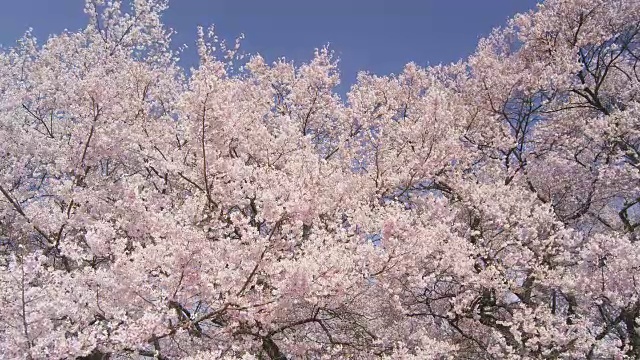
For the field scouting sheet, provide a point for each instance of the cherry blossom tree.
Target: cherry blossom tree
(487, 209)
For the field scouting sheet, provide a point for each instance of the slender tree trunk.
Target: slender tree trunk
(272, 349)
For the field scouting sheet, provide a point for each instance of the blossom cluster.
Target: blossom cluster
(243, 210)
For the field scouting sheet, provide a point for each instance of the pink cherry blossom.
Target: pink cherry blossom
(487, 209)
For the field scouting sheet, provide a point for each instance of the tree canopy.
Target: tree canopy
(487, 209)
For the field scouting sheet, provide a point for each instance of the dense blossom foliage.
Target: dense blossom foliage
(488, 209)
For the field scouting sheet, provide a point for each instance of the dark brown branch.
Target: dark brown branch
(39, 118)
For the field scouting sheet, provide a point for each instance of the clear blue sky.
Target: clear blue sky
(379, 36)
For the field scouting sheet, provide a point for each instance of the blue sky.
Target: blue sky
(379, 36)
